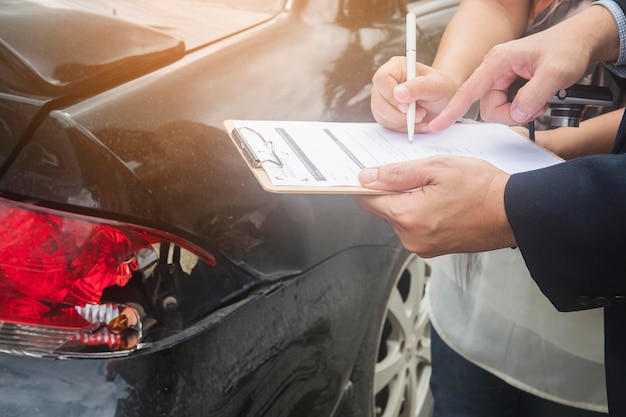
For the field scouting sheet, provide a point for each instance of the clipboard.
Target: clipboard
(309, 157)
(257, 153)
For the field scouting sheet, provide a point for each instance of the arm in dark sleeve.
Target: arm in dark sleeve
(569, 222)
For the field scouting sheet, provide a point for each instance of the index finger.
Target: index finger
(472, 90)
(496, 72)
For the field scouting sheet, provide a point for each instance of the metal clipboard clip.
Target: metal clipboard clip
(257, 157)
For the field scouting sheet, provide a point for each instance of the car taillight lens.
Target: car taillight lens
(55, 269)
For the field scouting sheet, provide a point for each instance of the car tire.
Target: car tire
(392, 376)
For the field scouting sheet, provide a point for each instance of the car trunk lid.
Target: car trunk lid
(53, 52)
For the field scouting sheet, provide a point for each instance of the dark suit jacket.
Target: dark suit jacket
(569, 222)
(570, 225)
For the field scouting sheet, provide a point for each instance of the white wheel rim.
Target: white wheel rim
(403, 366)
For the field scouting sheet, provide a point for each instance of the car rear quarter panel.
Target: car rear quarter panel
(288, 351)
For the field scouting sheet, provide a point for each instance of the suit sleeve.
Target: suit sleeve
(569, 222)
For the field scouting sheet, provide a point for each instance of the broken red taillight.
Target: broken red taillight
(55, 269)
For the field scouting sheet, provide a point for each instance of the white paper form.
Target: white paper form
(333, 153)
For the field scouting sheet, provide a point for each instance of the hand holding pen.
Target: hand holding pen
(406, 94)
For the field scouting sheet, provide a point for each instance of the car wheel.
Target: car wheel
(398, 351)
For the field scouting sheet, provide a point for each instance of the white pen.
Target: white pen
(410, 69)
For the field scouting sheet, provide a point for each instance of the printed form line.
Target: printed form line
(345, 149)
(308, 164)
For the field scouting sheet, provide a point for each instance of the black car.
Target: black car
(143, 271)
